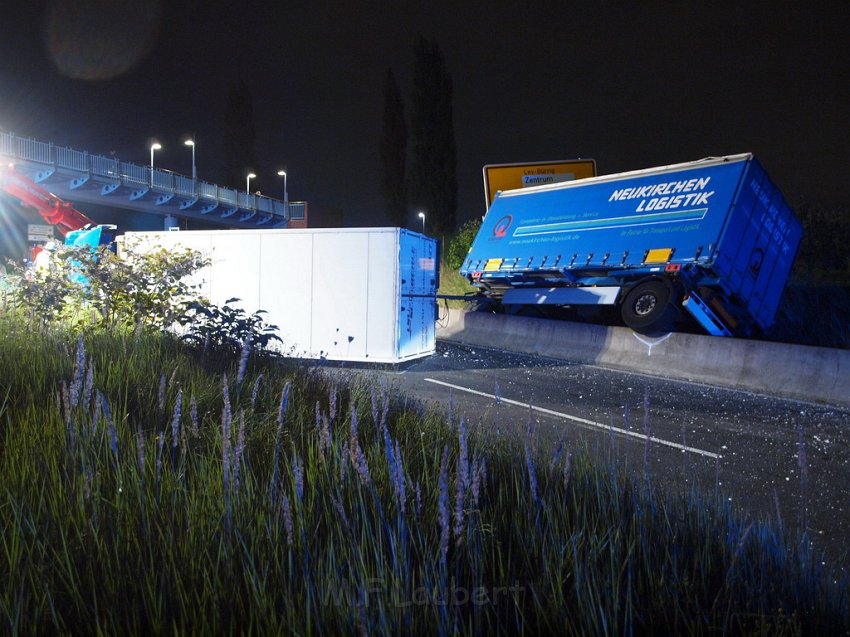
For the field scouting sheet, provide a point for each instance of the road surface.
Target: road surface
(771, 458)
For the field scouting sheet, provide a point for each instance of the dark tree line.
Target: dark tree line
(430, 183)
(240, 133)
(394, 153)
(826, 237)
(418, 161)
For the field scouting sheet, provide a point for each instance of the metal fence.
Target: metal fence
(105, 166)
(134, 175)
(297, 210)
(62, 158)
(162, 180)
(184, 185)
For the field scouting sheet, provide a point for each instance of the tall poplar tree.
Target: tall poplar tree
(434, 165)
(240, 133)
(394, 153)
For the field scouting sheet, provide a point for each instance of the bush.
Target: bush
(460, 243)
(136, 289)
(147, 288)
(42, 293)
(226, 330)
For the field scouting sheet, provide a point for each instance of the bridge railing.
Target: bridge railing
(162, 180)
(184, 185)
(136, 176)
(105, 166)
(38, 151)
(297, 210)
(208, 191)
(62, 158)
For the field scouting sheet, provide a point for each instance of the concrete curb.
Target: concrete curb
(792, 371)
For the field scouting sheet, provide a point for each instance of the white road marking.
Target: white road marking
(583, 421)
(651, 344)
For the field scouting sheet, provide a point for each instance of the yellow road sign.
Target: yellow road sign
(499, 177)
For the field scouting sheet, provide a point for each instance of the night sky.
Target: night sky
(632, 85)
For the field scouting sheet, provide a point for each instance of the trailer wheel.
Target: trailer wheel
(648, 308)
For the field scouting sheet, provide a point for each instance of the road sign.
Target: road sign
(499, 177)
(39, 232)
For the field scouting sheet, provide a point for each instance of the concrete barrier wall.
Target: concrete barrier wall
(792, 371)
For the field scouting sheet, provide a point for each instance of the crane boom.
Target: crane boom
(54, 210)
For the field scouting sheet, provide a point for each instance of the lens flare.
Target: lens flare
(100, 39)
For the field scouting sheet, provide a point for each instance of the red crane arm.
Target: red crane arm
(53, 209)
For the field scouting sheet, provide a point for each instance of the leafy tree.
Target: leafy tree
(434, 169)
(394, 152)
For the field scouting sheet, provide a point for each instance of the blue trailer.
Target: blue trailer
(713, 237)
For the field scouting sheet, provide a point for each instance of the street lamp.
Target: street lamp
(191, 142)
(248, 182)
(282, 173)
(154, 146)
(422, 216)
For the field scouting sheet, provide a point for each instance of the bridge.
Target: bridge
(79, 176)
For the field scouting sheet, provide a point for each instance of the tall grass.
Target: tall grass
(143, 493)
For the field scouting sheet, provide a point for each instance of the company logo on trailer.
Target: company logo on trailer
(756, 261)
(502, 226)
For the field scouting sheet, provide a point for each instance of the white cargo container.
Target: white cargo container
(353, 294)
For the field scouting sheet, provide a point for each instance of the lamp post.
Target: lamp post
(282, 173)
(422, 216)
(191, 142)
(248, 183)
(154, 146)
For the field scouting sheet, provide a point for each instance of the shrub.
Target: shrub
(459, 244)
(149, 288)
(226, 329)
(42, 293)
(137, 289)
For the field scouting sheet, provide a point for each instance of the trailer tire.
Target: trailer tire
(648, 308)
